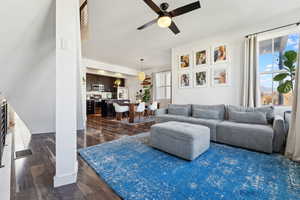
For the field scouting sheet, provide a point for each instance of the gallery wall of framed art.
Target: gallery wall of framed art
(185, 79)
(204, 67)
(215, 65)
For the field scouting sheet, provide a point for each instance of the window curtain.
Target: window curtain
(153, 87)
(293, 140)
(251, 91)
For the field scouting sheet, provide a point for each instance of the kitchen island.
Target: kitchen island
(103, 106)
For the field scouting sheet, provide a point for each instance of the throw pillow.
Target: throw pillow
(184, 110)
(219, 108)
(248, 117)
(268, 110)
(206, 114)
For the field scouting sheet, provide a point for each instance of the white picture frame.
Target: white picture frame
(199, 55)
(220, 54)
(220, 76)
(185, 79)
(201, 78)
(185, 61)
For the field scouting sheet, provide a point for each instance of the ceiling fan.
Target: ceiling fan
(164, 19)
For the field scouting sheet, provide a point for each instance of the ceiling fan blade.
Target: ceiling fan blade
(148, 24)
(185, 9)
(174, 28)
(153, 6)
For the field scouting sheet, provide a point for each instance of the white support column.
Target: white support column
(67, 48)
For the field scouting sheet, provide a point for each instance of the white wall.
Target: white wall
(99, 65)
(133, 85)
(235, 40)
(27, 61)
(150, 71)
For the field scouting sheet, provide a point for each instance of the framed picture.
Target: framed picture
(185, 80)
(220, 76)
(202, 58)
(201, 78)
(220, 54)
(185, 61)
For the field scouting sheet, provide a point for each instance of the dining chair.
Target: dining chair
(120, 110)
(141, 109)
(153, 107)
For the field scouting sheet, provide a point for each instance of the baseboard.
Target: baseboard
(79, 131)
(66, 179)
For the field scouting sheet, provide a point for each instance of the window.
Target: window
(163, 85)
(271, 53)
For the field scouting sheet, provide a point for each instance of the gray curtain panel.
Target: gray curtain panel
(251, 91)
(293, 140)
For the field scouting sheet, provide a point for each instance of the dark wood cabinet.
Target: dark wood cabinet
(107, 108)
(90, 107)
(107, 81)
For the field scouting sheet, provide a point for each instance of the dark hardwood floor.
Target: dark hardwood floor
(32, 176)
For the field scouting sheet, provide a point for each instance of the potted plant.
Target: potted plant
(286, 77)
(147, 94)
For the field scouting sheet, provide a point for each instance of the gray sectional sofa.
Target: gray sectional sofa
(252, 128)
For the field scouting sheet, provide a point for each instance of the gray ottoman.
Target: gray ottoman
(184, 140)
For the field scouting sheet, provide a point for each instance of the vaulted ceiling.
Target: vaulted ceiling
(113, 37)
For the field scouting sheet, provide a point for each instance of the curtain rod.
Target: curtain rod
(272, 29)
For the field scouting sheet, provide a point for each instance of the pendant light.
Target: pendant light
(141, 74)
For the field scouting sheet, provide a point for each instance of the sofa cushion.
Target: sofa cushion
(176, 109)
(210, 123)
(252, 136)
(248, 117)
(206, 114)
(218, 108)
(231, 108)
(268, 110)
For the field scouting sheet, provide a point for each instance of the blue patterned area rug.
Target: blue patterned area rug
(136, 171)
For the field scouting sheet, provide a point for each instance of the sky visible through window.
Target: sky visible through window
(266, 60)
(269, 61)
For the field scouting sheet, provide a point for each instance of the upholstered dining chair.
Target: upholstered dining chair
(120, 110)
(141, 109)
(153, 107)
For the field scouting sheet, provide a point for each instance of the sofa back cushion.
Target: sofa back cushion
(206, 114)
(217, 108)
(176, 109)
(248, 117)
(268, 110)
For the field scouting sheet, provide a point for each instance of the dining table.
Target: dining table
(132, 109)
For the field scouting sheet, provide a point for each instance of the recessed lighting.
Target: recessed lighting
(101, 72)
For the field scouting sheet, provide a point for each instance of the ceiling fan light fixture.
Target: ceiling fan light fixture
(164, 21)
